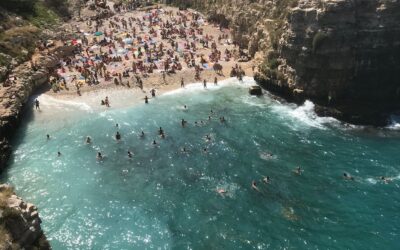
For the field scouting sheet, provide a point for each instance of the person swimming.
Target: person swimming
(142, 134)
(208, 138)
(347, 176)
(297, 171)
(99, 156)
(221, 191)
(222, 119)
(183, 122)
(266, 180)
(117, 125)
(48, 137)
(254, 186)
(160, 131)
(205, 150)
(184, 107)
(130, 155)
(205, 83)
(117, 136)
(146, 100)
(58, 153)
(88, 140)
(386, 180)
(154, 142)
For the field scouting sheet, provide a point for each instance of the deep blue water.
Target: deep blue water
(165, 199)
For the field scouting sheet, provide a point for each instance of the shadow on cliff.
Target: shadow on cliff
(20, 128)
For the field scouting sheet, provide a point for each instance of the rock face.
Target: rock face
(13, 96)
(19, 223)
(342, 54)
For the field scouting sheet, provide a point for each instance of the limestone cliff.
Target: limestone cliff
(19, 223)
(342, 54)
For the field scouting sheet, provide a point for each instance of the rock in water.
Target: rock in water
(255, 90)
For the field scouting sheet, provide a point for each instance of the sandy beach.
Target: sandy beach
(128, 87)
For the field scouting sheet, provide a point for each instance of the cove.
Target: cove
(165, 199)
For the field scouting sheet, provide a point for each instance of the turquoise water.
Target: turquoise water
(164, 199)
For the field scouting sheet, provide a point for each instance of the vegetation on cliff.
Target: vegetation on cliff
(22, 25)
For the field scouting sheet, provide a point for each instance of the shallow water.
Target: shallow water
(165, 199)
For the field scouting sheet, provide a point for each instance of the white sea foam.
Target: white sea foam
(47, 100)
(394, 123)
(198, 86)
(304, 114)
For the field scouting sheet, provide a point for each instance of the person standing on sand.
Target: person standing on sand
(37, 104)
(205, 83)
(215, 81)
(107, 102)
(182, 83)
(146, 99)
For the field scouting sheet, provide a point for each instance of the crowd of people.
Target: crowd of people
(129, 47)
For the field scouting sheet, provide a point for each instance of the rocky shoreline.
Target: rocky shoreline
(23, 226)
(19, 223)
(343, 55)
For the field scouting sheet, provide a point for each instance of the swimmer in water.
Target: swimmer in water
(184, 107)
(222, 119)
(183, 150)
(142, 134)
(254, 186)
(48, 137)
(221, 191)
(183, 123)
(146, 99)
(160, 131)
(117, 136)
(205, 150)
(386, 180)
(162, 136)
(208, 138)
(347, 176)
(297, 171)
(209, 118)
(99, 156)
(130, 155)
(58, 153)
(117, 125)
(266, 180)
(154, 142)
(88, 140)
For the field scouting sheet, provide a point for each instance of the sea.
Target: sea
(193, 188)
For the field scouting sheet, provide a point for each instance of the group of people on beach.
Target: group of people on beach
(126, 48)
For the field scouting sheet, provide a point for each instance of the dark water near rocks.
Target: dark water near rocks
(164, 199)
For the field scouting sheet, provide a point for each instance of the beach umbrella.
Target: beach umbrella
(98, 33)
(128, 40)
(121, 51)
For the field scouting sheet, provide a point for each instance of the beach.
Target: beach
(124, 46)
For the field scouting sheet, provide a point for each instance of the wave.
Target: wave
(198, 86)
(305, 114)
(48, 100)
(394, 123)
